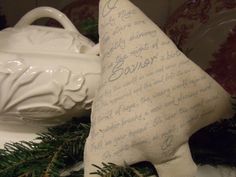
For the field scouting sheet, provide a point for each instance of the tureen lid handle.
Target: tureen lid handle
(42, 12)
(50, 12)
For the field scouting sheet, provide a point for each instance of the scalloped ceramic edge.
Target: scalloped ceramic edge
(47, 75)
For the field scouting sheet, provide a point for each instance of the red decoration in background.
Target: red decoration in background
(225, 4)
(81, 10)
(223, 67)
(180, 34)
(83, 14)
(195, 10)
(192, 15)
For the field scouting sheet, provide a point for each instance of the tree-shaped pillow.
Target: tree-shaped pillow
(151, 99)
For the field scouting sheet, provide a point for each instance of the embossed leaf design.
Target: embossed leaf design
(29, 75)
(3, 73)
(3, 69)
(63, 90)
(20, 75)
(77, 96)
(14, 66)
(73, 92)
(67, 102)
(61, 76)
(40, 111)
(25, 78)
(87, 104)
(44, 90)
(75, 84)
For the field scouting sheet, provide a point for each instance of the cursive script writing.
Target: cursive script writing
(120, 69)
(108, 7)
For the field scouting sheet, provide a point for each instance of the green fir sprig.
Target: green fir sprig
(55, 151)
(113, 170)
(51, 153)
(62, 147)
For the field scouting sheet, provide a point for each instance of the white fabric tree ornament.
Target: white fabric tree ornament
(151, 99)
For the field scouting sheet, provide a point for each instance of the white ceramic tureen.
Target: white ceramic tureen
(47, 75)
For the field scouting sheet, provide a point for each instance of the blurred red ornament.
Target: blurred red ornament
(205, 30)
(84, 15)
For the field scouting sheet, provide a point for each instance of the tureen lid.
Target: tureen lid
(25, 37)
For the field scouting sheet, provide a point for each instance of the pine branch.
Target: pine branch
(89, 28)
(59, 148)
(17, 157)
(79, 173)
(62, 147)
(53, 165)
(113, 170)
